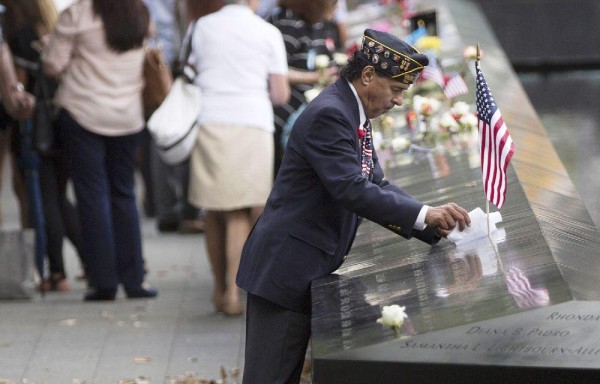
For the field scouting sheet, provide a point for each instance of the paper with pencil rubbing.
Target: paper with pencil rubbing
(478, 228)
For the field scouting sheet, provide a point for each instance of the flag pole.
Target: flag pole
(489, 235)
(487, 203)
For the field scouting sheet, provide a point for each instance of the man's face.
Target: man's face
(382, 94)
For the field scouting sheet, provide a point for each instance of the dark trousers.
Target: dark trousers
(60, 214)
(102, 169)
(276, 342)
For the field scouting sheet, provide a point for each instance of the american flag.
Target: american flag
(433, 72)
(455, 86)
(520, 289)
(495, 142)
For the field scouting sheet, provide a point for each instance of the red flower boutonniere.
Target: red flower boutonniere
(361, 132)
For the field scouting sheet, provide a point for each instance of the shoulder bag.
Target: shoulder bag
(173, 125)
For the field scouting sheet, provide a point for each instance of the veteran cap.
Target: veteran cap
(391, 56)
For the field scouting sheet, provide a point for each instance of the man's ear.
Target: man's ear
(368, 73)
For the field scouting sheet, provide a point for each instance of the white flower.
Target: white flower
(387, 122)
(322, 61)
(417, 102)
(340, 58)
(460, 108)
(312, 93)
(392, 316)
(447, 122)
(470, 52)
(425, 106)
(468, 121)
(400, 143)
(377, 139)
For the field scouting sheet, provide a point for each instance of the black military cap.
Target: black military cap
(391, 56)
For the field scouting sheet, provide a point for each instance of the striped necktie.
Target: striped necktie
(367, 151)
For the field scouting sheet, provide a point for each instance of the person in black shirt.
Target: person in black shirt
(306, 34)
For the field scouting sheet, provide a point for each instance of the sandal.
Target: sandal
(57, 282)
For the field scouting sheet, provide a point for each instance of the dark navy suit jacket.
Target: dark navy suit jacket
(313, 212)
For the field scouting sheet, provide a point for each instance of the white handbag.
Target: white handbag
(173, 125)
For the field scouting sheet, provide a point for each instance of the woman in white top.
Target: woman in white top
(97, 50)
(242, 72)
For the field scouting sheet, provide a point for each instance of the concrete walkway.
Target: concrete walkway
(60, 339)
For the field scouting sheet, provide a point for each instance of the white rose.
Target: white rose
(400, 143)
(417, 102)
(377, 139)
(312, 93)
(340, 59)
(436, 104)
(392, 316)
(470, 52)
(448, 122)
(460, 108)
(425, 106)
(469, 120)
(322, 61)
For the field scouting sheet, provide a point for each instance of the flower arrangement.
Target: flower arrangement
(432, 118)
(392, 316)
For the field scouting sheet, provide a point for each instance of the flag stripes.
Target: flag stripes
(495, 142)
(433, 72)
(455, 86)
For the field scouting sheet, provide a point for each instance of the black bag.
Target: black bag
(43, 140)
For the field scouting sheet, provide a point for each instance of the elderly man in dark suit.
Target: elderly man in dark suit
(329, 179)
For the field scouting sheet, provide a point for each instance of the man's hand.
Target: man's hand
(445, 217)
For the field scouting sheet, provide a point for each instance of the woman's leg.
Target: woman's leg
(55, 230)
(237, 227)
(214, 238)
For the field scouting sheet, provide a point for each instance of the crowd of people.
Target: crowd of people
(275, 213)
(93, 66)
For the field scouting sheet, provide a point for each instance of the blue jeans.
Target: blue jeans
(102, 169)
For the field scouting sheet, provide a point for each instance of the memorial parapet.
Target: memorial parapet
(467, 318)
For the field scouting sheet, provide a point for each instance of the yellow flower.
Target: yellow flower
(429, 43)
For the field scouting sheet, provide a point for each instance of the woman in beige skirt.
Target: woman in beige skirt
(242, 72)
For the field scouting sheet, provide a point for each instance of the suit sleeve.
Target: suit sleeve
(427, 235)
(331, 146)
